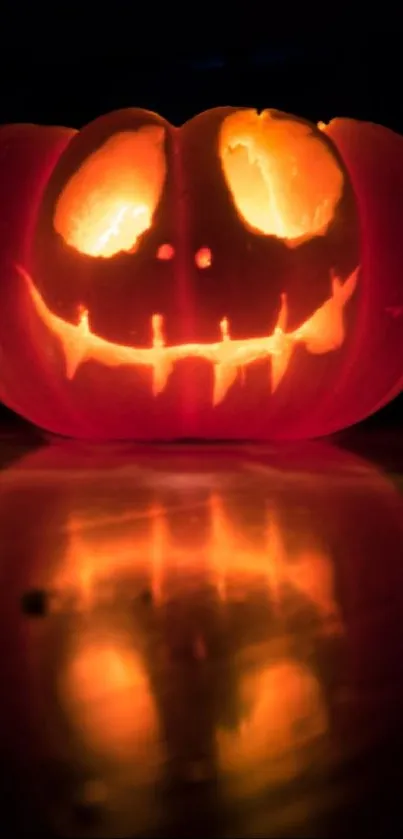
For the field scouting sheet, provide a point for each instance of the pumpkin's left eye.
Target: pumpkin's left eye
(111, 200)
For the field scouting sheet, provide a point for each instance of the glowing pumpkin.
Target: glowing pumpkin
(207, 619)
(232, 278)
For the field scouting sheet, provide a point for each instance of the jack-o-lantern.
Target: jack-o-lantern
(239, 277)
(201, 622)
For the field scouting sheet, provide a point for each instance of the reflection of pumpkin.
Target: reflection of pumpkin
(286, 713)
(197, 626)
(199, 282)
(104, 689)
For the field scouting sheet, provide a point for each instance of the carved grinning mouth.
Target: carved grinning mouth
(323, 332)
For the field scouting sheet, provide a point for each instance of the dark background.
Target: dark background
(69, 65)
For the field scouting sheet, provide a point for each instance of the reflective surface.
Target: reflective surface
(200, 640)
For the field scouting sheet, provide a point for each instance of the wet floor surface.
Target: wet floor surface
(201, 640)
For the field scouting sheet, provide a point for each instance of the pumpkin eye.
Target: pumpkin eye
(283, 178)
(110, 201)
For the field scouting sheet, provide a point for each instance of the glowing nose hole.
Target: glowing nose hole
(165, 252)
(203, 258)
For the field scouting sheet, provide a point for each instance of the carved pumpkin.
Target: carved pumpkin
(204, 620)
(229, 279)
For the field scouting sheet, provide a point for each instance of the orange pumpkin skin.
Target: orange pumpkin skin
(27, 156)
(208, 271)
(374, 158)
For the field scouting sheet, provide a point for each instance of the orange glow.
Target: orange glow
(285, 712)
(283, 178)
(105, 690)
(203, 258)
(165, 252)
(95, 557)
(110, 201)
(323, 332)
(104, 687)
